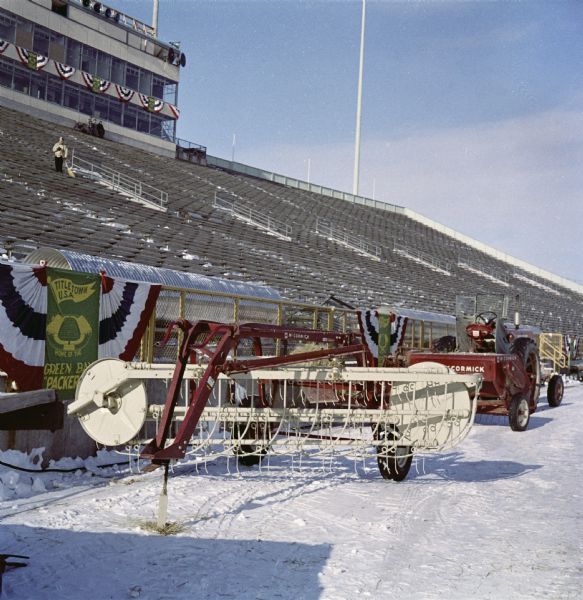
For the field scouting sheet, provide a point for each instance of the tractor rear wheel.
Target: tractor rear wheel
(394, 461)
(555, 391)
(518, 413)
(526, 349)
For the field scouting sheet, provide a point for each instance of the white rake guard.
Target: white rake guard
(317, 409)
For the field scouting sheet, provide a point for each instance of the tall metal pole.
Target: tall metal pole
(359, 104)
(155, 17)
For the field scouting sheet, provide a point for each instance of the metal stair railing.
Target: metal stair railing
(413, 253)
(550, 347)
(483, 270)
(326, 229)
(119, 182)
(253, 217)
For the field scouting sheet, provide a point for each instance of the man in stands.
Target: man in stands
(61, 152)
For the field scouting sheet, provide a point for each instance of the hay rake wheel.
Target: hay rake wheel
(394, 461)
(278, 408)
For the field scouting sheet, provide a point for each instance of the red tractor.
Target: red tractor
(504, 354)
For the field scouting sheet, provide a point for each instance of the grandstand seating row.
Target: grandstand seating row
(39, 207)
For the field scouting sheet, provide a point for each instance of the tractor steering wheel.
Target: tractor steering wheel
(483, 317)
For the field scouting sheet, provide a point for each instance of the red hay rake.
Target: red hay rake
(326, 401)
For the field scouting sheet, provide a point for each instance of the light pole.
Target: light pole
(359, 104)
(309, 168)
(155, 18)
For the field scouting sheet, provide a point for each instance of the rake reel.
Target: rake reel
(316, 402)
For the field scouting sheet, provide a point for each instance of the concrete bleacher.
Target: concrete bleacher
(39, 207)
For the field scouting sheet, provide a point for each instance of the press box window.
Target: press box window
(130, 116)
(7, 28)
(88, 59)
(101, 109)
(57, 47)
(144, 121)
(115, 110)
(103, 66)
(158, 87)
(73, 53)
(71, 98)
(55, 90)
(21, 81)
(41, 41)
(38, 85)
(118, 71)
(6, 70)
(86, 103)
(132, 77)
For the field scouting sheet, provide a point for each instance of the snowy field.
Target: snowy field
(499, 516)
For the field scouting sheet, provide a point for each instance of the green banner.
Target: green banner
(32, 60)
(72, 335)
(384, 337)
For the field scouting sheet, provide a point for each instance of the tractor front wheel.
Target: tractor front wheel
(555, 391)
(518, 413)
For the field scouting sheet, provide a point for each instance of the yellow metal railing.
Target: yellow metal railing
(551, 348)
(174, 303)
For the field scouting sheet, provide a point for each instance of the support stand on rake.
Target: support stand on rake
(163, 500)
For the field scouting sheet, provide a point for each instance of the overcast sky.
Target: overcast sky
(472, 110)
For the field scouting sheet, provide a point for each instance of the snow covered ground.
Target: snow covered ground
(499, 516)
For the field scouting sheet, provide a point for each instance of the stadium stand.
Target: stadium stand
(420, 267)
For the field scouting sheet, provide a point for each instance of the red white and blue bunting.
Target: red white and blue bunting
(64, 71)
(174, 110)
(32, 60)
(94, 83)
(123, 93)
(23, 314)
(36, 62)
(151, 104)
(124, 311)
(571, 346)
(368, 321)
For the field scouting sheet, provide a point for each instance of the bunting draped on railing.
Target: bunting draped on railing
(32, 60)
(64, 71)
(123, 93)
(370, 328)
(23, 314)
(94, 83)
(174, 110)
(124, 311)
(571, 346)
(36, 62)
(150, 103)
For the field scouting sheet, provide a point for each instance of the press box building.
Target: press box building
(69, 60)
